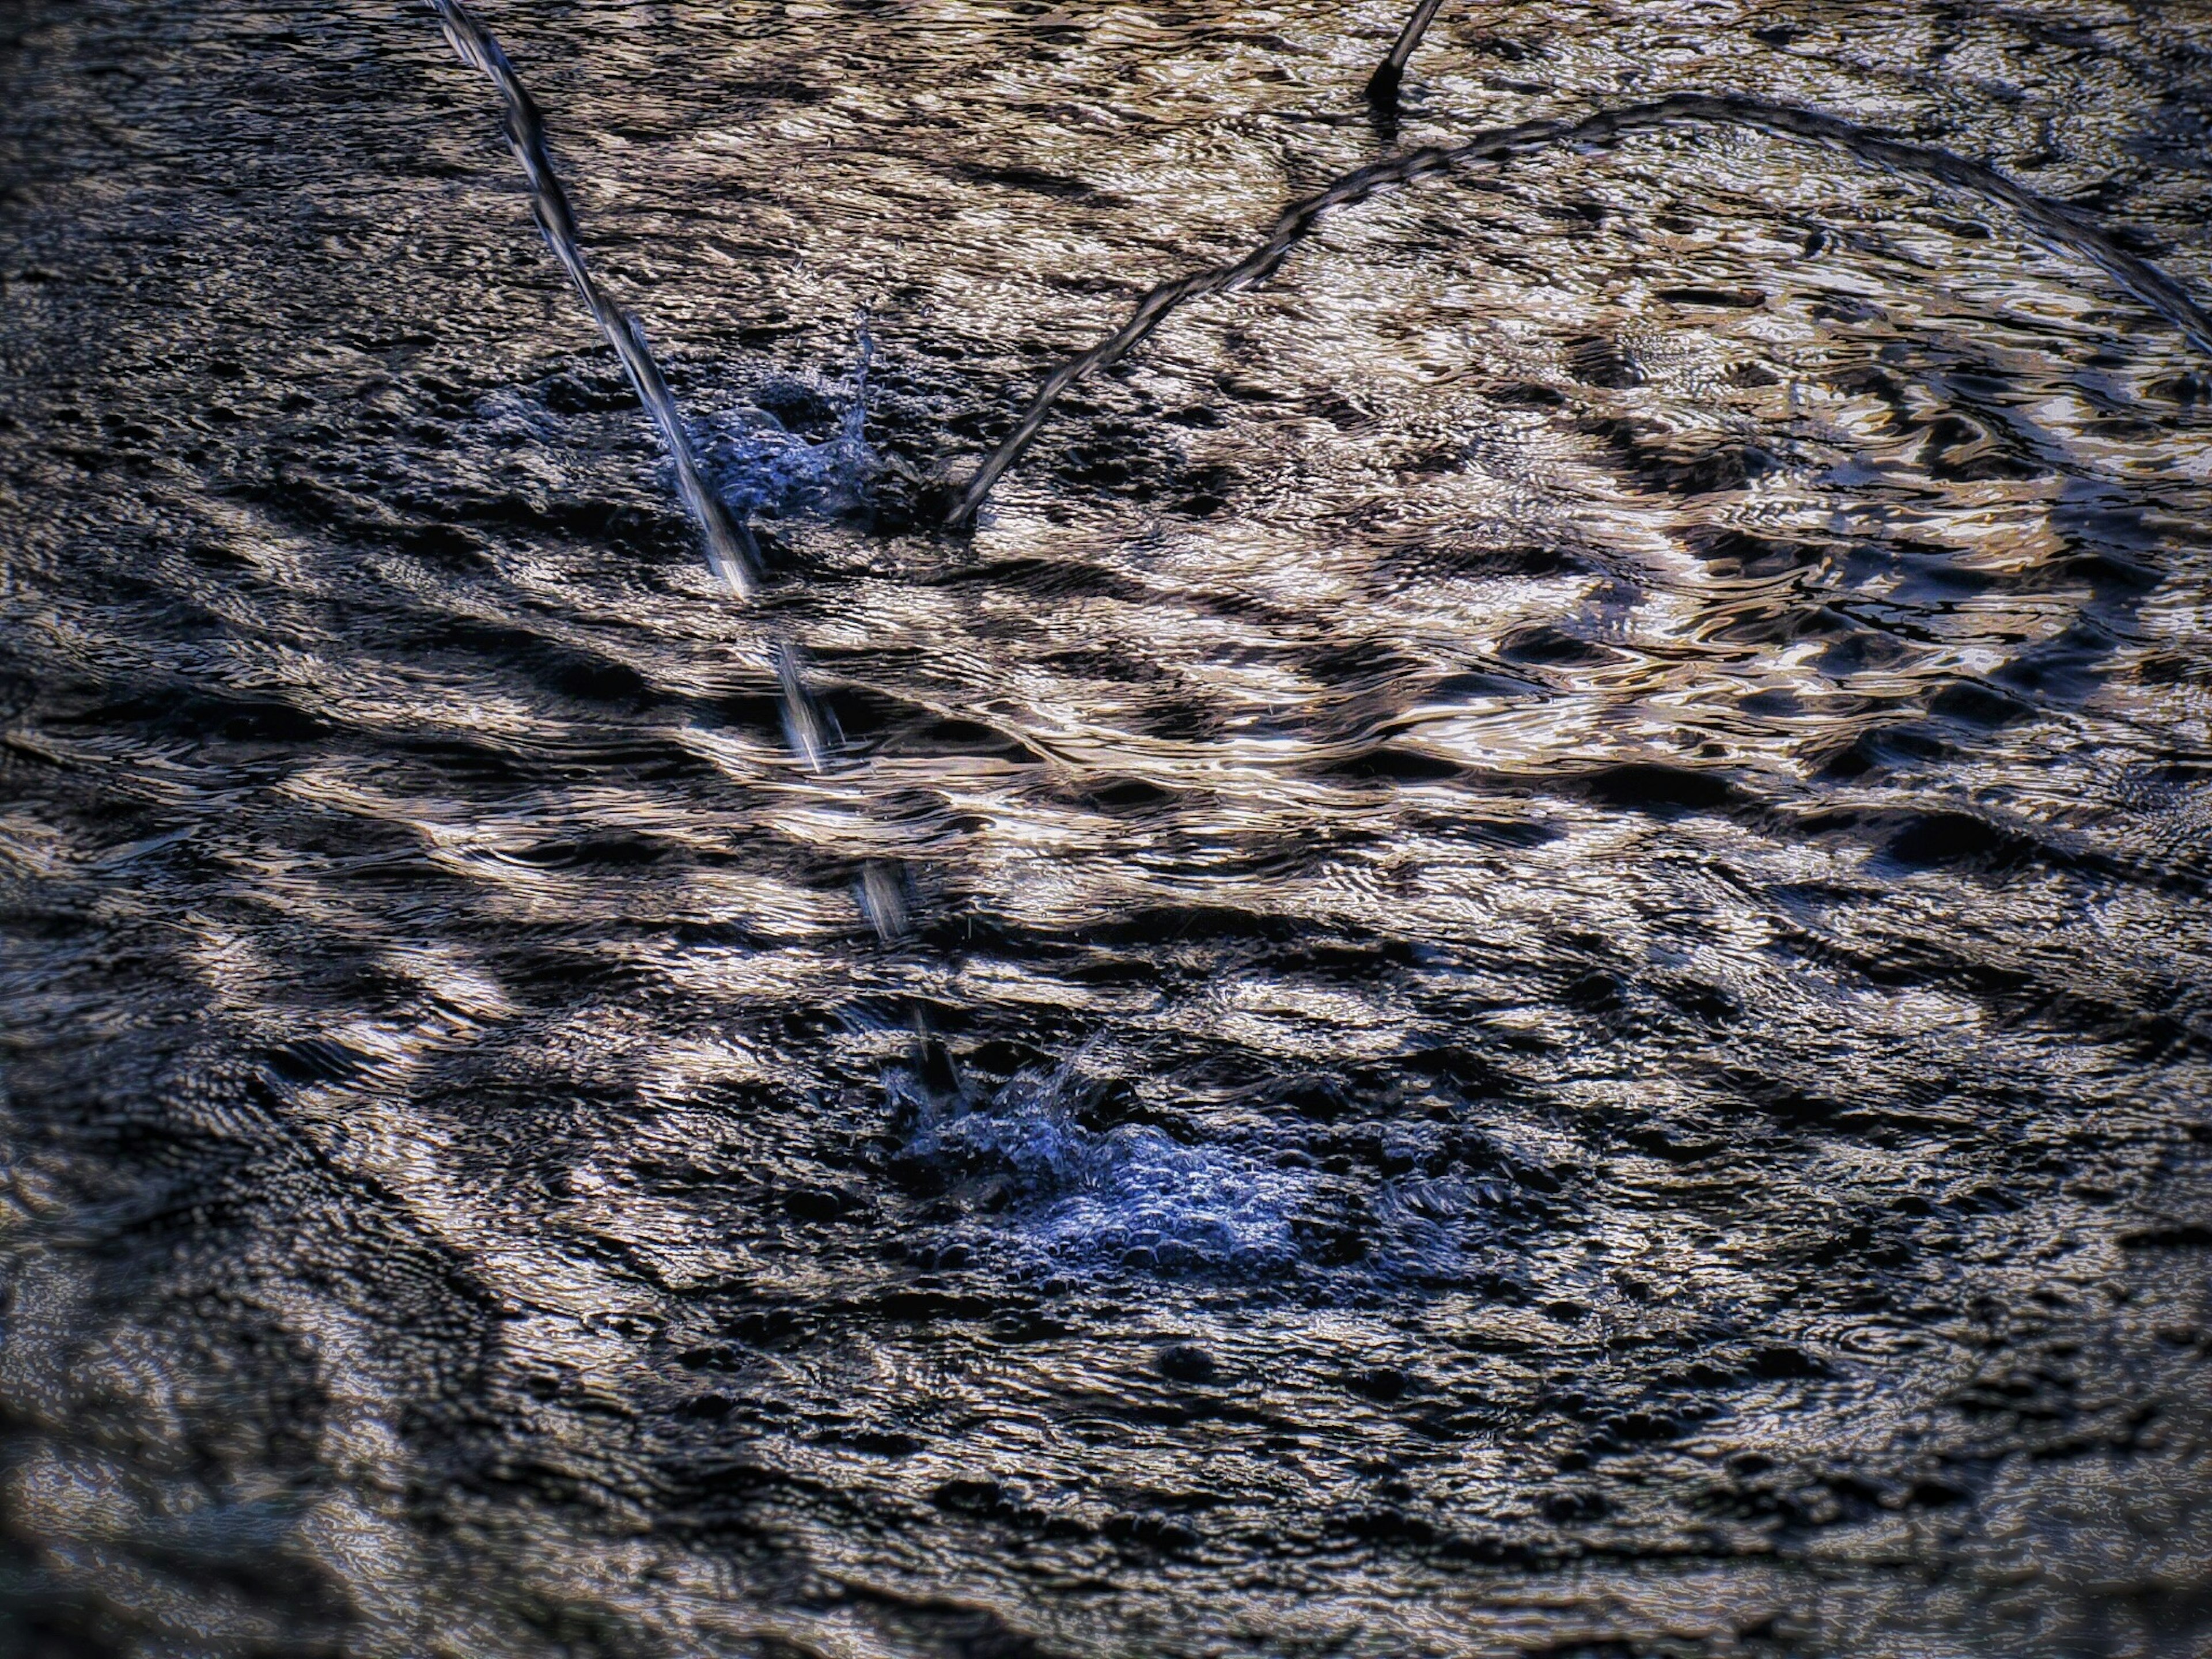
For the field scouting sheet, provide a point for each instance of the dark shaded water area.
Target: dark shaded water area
(1514, 959)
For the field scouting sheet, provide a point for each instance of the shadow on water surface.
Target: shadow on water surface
(1552, 863)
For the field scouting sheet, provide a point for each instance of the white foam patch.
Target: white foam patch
(1131, 1194)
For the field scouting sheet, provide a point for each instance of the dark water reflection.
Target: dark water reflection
(1559, 857)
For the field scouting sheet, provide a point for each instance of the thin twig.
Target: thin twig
(2055, 224)
(1382, 89)
(732, 552)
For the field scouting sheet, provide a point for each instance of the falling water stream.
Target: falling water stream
(1069, 848)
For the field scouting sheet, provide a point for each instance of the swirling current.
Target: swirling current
(938, 831)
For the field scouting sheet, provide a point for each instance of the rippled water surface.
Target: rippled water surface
(1513, 959)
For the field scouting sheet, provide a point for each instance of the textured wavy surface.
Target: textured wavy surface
(1558, 857)
(2066, 230)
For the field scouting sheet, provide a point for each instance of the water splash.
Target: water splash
(800, 444)
(1068, 1196)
